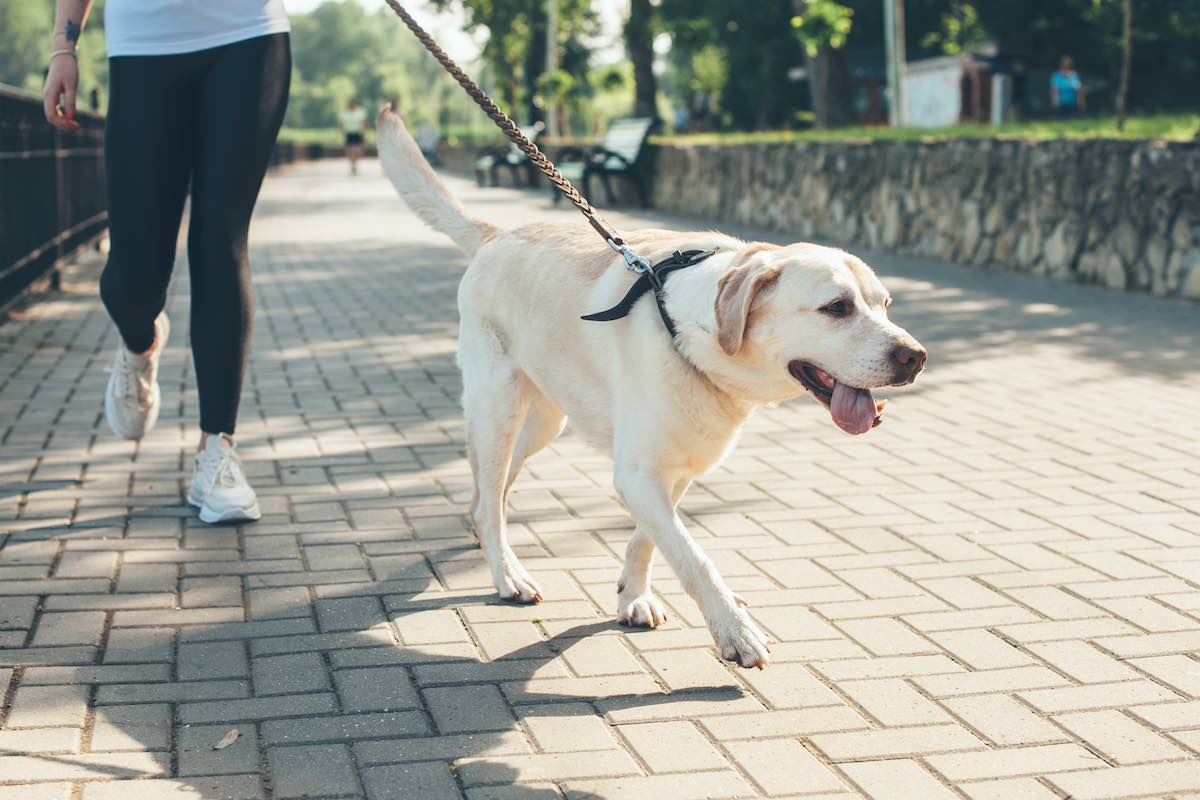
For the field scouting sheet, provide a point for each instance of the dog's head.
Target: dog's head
(806, 317)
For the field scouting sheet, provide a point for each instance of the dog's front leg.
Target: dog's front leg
(648, 497)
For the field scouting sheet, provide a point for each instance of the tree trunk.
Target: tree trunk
(535, 65)
(639, 42)
(1126, 63)
(829, 83)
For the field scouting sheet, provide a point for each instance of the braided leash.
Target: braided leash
(536, 157)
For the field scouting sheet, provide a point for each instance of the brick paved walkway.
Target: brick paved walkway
(996, 595)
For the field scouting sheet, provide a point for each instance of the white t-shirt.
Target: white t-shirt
(354, 120)
(164, 27)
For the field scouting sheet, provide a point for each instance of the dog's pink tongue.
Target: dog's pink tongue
(853, 409)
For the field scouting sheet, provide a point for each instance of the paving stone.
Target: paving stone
(69, 627)
(346, 727)
(171, 692)
(1106, 695)
(1042, 759)
(231, 787)
(429, 779)
(672, 747)
(293, 705)
(1146, 779)
(382, 689)
(696, 786)
(212, 660)
(779, 766)
(198, 754)
(136, 727)
(545, 766)
(468, 708)
(441, 748)
(565, 727)
(292, 674)
(39, 791)
(896, 780)
(38, 706)
(1118, 737)
(312, 771)
(349, 614)
(892, 742)
(39, 740)
(1004, 720)
(84, 766)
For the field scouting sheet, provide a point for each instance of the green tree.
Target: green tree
(339, 51)
(639, 45)
(757, 49)
(823, 28)
(25, 50)
(515, 50)
(1165, 42)
(26, 27)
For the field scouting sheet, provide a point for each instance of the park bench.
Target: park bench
(616, 155)
(489, 160)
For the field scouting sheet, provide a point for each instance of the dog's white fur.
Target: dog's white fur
(667, 412)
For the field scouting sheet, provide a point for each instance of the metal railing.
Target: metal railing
(51, 191)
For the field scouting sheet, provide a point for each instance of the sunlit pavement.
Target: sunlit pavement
(994, 595)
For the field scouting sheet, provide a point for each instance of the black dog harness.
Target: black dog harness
(652, 278)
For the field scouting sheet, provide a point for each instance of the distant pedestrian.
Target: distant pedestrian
(353, 124)
(1066, 90)
(682, 117)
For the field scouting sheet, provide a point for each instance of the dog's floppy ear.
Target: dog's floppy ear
(736, 292)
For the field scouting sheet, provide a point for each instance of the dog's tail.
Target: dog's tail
(419, 185)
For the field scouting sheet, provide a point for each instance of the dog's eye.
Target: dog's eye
(838, 308)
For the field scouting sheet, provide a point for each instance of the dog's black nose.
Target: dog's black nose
(908, 361)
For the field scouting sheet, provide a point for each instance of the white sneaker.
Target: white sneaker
(132, 399)
(219, 487)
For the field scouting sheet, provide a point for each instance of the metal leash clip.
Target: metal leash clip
(633, 261)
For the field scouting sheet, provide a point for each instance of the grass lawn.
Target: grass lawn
(331, 137)
(1175, 127)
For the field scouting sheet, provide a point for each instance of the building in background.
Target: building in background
(950, 90)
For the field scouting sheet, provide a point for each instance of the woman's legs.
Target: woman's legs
(240, 105)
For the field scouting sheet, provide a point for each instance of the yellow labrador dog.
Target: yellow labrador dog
(756, 324)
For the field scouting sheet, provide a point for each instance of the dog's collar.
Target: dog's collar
(654, 279)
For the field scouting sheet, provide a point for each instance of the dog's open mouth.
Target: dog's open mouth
(853, 410)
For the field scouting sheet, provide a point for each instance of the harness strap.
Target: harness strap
(650, 276)
(654, 279)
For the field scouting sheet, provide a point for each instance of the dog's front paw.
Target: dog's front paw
(739, 640)
(641, 611)
(514, 584)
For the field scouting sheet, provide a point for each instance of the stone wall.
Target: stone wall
(1125, 214)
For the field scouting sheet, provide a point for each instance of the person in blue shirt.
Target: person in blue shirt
(1066, 90)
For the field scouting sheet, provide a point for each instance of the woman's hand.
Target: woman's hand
(58, 96)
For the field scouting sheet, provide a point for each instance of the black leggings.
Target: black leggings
(211, 118)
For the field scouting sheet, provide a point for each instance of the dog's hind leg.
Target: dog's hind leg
(496, 401)
(543, 423)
